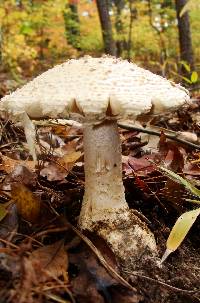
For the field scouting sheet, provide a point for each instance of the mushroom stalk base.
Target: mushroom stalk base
(105, 210)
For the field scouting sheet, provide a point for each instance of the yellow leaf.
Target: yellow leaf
(28, 205)
(69, 159)
(72, 157)
(57, 298)
(180, 230)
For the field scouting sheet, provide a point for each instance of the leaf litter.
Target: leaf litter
(40, 256)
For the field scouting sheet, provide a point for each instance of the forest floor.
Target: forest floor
(44, 258)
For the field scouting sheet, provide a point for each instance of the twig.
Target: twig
(8, 144)
(132, 127)
(168, 286)
(9, 243)
(53, 122)
(51, 230)
(157, 133)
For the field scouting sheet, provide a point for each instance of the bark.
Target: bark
(119, 27)
(1, 44)
(72, 24)
(185, 39)
(129, 46)
(106, 26)
(163, 48)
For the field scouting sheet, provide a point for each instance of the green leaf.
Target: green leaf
(187, 80)
(26, 28)
(3, 212)
(186, 66)
(194, 77)
(180, 230)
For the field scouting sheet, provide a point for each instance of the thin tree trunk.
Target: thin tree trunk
(119, 27)
(106, 26)
(163, 49)
(72, 24)
(1, 44)
(185, 39)
(129, 46)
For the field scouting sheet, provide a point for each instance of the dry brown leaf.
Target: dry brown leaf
(174, 193)
(28, 205)
(58, 171)
(54, 172)
(53, 259)
(8, 164)
(187, 136)
(10, 223)
(70, 159)
(141, 166)
(22, 175)
(192, 168)
(61, 130)
(92, 281)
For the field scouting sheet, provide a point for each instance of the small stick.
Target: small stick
(157, 133)
(167, 286)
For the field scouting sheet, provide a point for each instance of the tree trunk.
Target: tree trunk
(72, 24)
(106, 26)
(129, 44)
(185, 39)
(119, 27)
(1, 44)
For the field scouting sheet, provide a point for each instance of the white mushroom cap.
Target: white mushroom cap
(95, 88)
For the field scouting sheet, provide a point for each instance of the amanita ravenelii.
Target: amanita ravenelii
(99, 92)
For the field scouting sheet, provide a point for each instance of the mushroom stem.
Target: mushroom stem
(104, 209)
(104, 196)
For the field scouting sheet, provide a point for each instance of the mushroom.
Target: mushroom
(99, 92)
